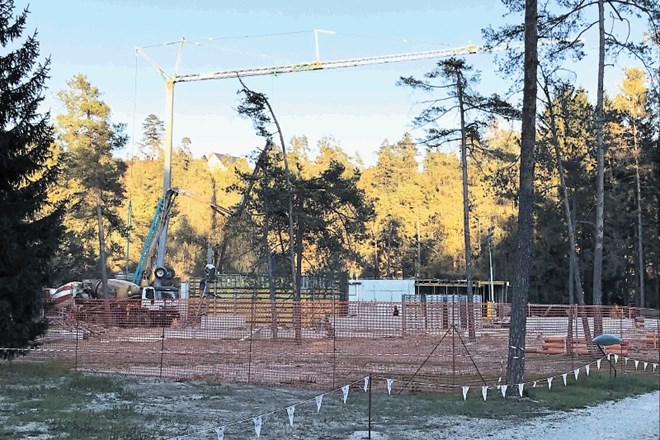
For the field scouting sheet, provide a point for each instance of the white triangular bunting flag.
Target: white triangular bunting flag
(498, 387)
(484, 392)
(609, 356)
(257, 425)
(503, 389)
(636, 364)
(389, 385)
(520, 388)
(550, 383)
(290, 410)
(577, 373)
(563, 376)
(654, 367)
(534, 384)
(465, 391)
(220, 432)
(598, 363)
(646, 364)
(625, 361)
(616, 358)
(344, 390)
(366, 384)
(319, 399)
(586, 369)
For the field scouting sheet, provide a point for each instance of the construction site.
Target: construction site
(423, 346)
(317, 334)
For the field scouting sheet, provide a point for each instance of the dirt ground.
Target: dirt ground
(230, 349)
(194, 410)
(401, 417)
(263, 376)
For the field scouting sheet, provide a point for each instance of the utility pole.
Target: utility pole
(419, 248)
(489, 237)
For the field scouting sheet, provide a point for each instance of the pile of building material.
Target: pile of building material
(560, 345)
(651, 340)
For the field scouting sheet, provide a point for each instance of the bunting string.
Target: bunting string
(258, 420)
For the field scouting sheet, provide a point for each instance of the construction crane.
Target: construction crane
(148, 264)
(315, 65)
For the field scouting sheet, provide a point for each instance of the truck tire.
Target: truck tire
(160, 272)
(169, 273)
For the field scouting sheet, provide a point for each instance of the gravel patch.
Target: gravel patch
(633, 418)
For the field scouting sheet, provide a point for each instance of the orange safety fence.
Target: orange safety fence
(320, 344)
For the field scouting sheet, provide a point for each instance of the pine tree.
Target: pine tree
(94, 176)
(152, 137)
(29, 226)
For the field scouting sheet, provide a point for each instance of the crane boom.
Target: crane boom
(317, 64)
(326, 65)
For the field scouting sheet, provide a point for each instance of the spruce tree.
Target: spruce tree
(29, 226)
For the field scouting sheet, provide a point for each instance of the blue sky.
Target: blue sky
(359, 107)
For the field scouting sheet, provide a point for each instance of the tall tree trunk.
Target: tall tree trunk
(466, 210)
(292, 251)
(299, 258)
(212, 248)
(600, 175)
(271, 287)
(573, 211)
(574, 262)
(376, 262)
(102, 258)
(571, 286)
(388, 266)
(515, 372)
(418, 265)
(297, 319)
(640, 240)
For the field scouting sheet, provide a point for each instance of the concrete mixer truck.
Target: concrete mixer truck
(127, 304)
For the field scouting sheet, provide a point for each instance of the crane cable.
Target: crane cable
(129, 158)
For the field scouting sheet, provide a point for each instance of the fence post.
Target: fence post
(334, 340)
(162, 348)
(369, 405)
(77, 334)
(252, 319)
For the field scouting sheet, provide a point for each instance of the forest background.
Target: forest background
(413, 217)
(403, 216)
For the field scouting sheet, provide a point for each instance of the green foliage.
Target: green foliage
(453, 78)
(480, 111)
(331, 213)
(394, 186)
(416, 226)
(152, 137)
(30, 226)
(94, 179)
(574, 116)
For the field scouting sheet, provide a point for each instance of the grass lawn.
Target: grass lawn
(40, 401)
